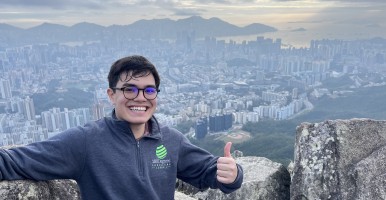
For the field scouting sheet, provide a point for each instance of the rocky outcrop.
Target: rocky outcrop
(340, 159)
(38, 190)
(49, 190)
(335, 159)
(263, 179)
(182, 196)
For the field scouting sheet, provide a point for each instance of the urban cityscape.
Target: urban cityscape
(217, 84)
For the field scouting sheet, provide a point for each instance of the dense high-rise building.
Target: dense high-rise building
(201, 128)
(220, 122)
(228, 120)
(82, 116)
(50, 119)
(100, 110)
(66, 119)
(25, 107)
(295, 92)
(29, 108)
(3, 122)
(5, 89)
(102, 106)
(56, 120)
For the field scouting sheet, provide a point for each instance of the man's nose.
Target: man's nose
(141, 95)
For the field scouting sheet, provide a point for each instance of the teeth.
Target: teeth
(138, 108)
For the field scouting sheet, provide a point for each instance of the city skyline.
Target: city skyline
(344, 16)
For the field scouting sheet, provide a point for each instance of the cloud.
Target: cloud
(187, 12)
(53, 4)
(357, 1)
(337, 1)
(216, 1)
(175, 8)
(241, 12)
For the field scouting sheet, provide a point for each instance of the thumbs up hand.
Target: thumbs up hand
(226, 166)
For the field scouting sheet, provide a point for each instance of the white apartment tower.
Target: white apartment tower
(29, 108)
(5, 89)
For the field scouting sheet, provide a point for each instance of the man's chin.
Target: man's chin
(138, 121)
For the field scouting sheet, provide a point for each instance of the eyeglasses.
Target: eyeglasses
(131, 92)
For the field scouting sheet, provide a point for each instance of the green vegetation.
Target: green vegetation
(216, 147)
(185, 126)
(275, 139)
(71, 99)
(271, 139)
(269, 127)
(362, 103)
(277, 147)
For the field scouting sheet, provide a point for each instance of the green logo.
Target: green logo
(161, 152)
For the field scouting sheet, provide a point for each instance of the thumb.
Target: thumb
(227, 149)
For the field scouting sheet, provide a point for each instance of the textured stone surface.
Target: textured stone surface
(49, 190)
(335, 159)
(33, 190)
(263, 179)
(340, 159)
(182, 196)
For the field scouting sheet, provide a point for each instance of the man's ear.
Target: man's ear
(111, 94)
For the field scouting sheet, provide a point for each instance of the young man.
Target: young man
(128, 155)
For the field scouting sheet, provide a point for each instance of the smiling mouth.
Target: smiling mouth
(138, 108)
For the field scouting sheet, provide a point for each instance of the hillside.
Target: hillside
(194, 26)
(275, 139)
(362, 103)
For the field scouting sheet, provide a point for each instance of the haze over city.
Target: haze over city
(303, 19)
(277, 78)
(249, 71)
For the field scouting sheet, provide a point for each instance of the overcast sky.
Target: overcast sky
(349, 15)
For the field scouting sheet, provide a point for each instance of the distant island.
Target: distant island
(298, 30)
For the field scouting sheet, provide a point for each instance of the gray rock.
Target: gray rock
(182, 196)
(37, 190)
(263, 179)
(335, 159)
(49, 190)
(340, 159)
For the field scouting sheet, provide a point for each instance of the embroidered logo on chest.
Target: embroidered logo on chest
(160, 162)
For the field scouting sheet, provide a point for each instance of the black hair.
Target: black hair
(134, 66)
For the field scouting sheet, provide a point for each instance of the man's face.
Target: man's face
(138, 110)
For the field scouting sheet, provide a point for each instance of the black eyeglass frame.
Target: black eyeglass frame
(143, 92)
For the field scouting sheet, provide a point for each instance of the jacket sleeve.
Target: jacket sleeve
(59, 157)
(198, 167)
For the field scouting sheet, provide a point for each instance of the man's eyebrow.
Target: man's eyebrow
(130, 84)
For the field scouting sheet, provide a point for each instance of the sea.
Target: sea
(300, 37)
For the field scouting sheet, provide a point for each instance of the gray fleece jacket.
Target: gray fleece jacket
(107, 162)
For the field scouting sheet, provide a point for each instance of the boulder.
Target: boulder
(334, 159)
(49, 190)
(37, 190)
(340, 159)
(263, 179)
(182, 196)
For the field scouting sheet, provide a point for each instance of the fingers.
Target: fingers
(226, 170)
(226, 164)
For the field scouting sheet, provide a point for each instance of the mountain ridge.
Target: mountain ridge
(165, 28)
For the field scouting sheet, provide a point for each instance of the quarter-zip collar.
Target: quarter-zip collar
(124, 126)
